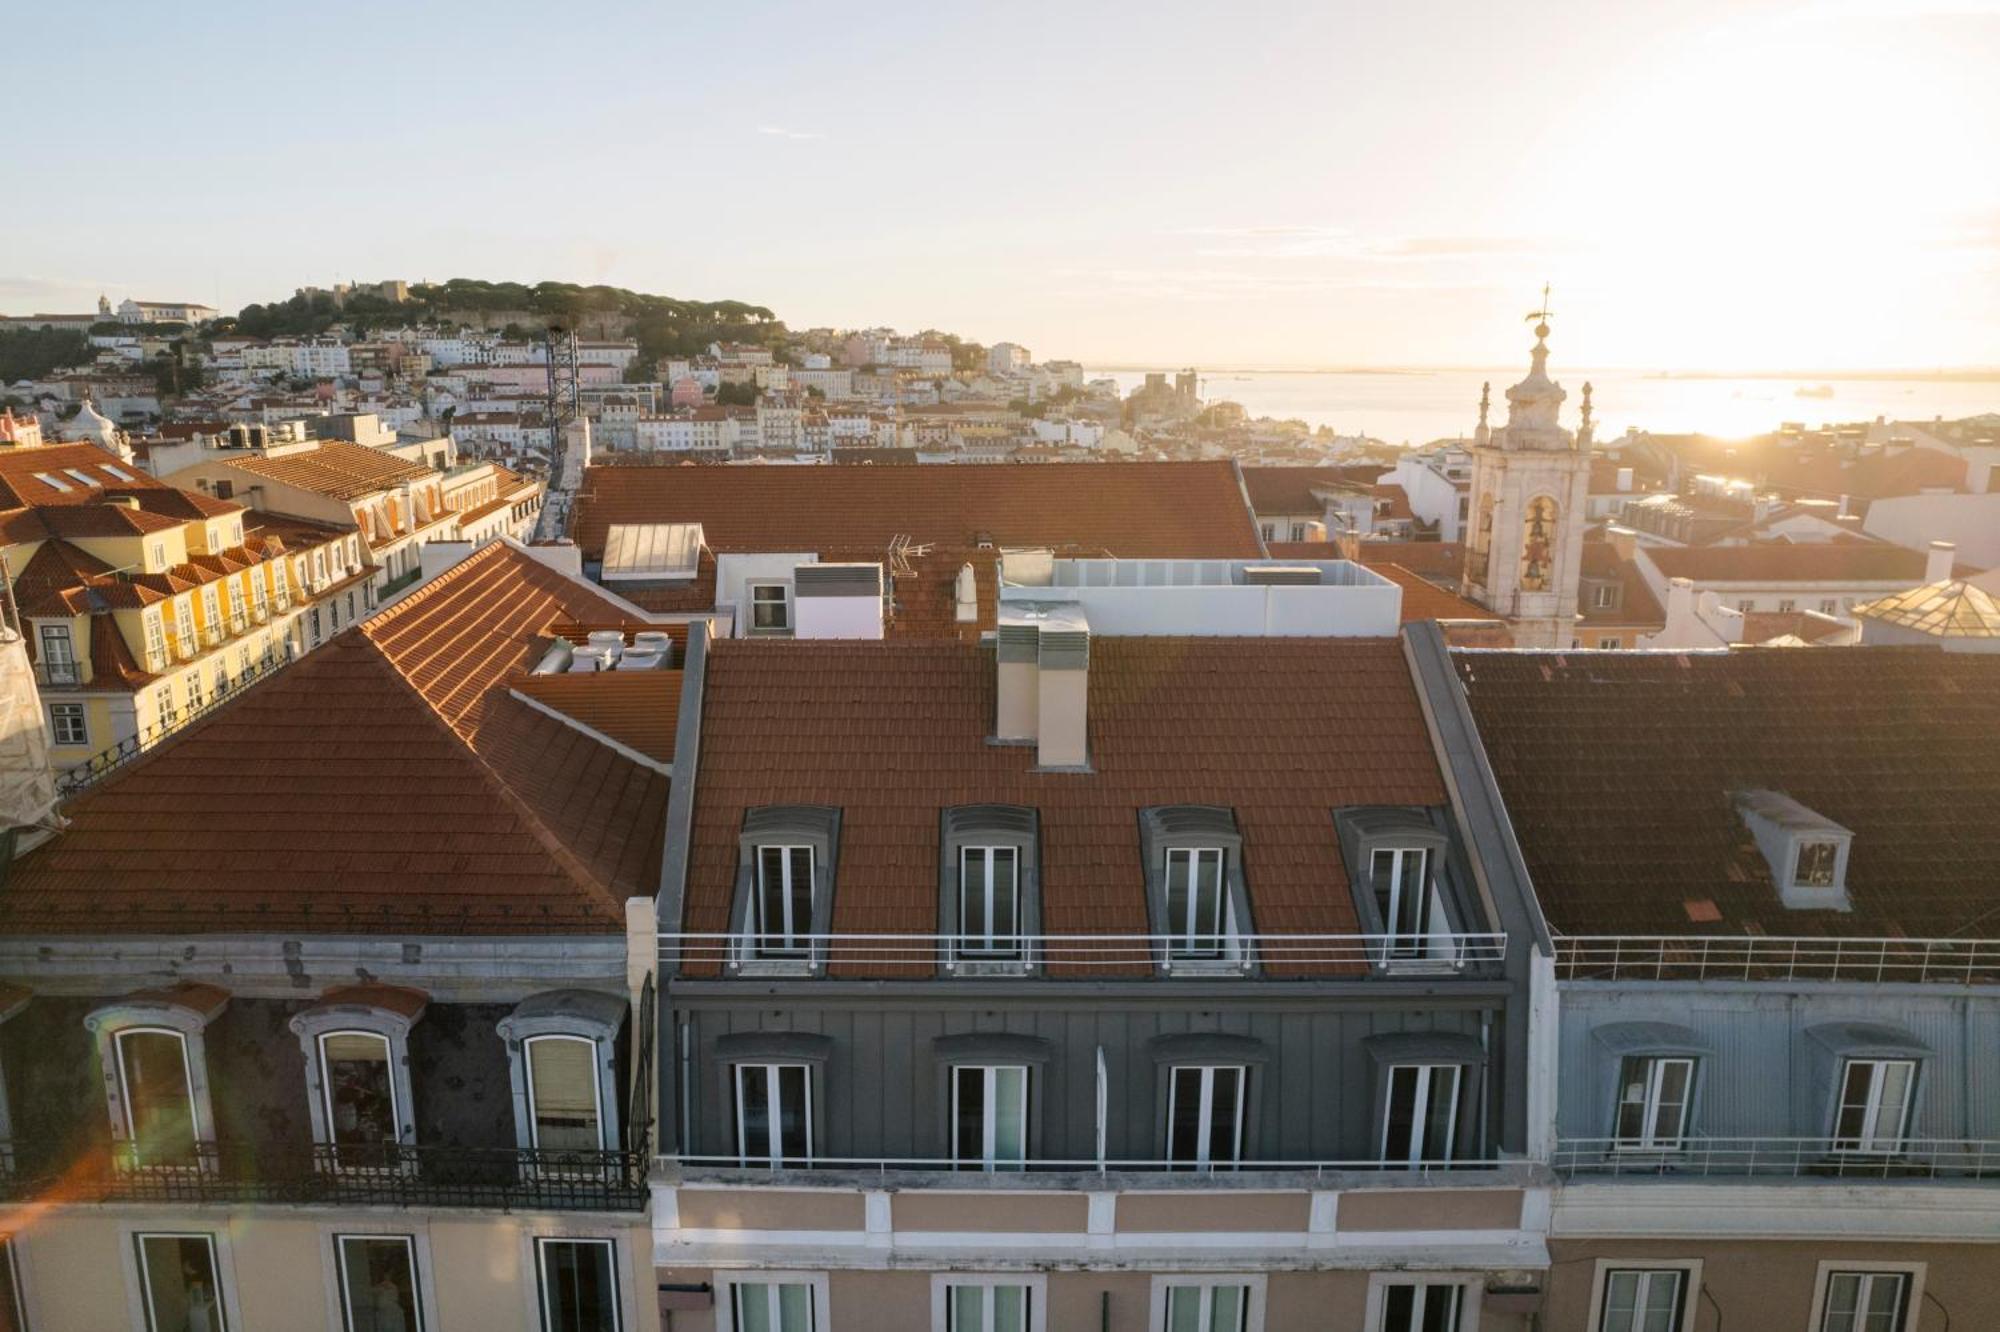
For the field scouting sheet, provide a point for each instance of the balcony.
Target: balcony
(1088, 955)
(502, 1179)
(1780, 1158)
(1087, 1174)
(59, 674)
(1775, 959)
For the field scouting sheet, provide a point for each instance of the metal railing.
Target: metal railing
(1443, 954)
(105, 761)
(1765, 958)
(1790, 1158)
(884, 1165)
(60, 673)
(386, 1175)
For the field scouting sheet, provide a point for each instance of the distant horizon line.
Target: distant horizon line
(1962, 374)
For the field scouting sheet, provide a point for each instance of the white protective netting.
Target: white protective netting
(27, 783)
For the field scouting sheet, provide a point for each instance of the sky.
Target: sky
(1766, 184)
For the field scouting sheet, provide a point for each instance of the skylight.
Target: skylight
(84, 477)
(652, 550)
(118, 473)
(50, 481)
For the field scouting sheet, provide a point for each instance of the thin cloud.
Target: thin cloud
(785, 132)
(1305, 241)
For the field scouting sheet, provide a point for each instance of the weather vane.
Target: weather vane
(1542, 315)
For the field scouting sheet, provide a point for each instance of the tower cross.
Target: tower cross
(1542, 315)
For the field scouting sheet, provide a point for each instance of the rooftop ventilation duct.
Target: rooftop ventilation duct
(837, 600)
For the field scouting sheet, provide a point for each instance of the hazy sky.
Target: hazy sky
(1708, 185)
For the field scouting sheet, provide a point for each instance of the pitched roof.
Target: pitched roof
(337, 469)
(1132, 510)
(638, 709)
(20, 486)
(1425, 600)
(1637, 604)
(386, 781)
(1620, 769)
(1788, 562)
(894, 732)
(1289, 490)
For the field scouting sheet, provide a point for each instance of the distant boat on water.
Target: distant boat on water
(1813, 391)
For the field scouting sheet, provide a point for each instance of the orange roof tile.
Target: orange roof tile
(1289, 490)
(337, 469)
(1131, 510)
(638, 709)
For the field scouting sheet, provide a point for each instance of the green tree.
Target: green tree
(736, 395)
(30, 353)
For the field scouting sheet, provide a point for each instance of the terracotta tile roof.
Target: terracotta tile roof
(1440, 561)
(1392, 502)
(387, 781)
(1289, 490)
(294, 534)
(1425, 600)
(638, 709)
(19, 487)
(1618, 770)
(1788, 562)
(894, 732)
(53, 580)
(1806, 626)
(337, 469)
(1133, 510)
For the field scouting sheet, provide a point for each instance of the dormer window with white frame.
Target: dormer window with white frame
(1398, 862)
(1199, 906)
(989, 905)
(783, 903)
(1806, 851)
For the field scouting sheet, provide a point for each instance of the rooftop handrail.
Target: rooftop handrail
(978, 954)
(1080, 1165)
(1758, 957)
(1908, 1158)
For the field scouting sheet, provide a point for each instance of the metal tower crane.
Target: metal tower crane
(569, 434)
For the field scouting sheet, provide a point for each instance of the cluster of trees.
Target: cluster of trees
(30, 353)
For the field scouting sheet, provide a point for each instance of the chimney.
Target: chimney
(1624, 541)
(1063, 662)
(965, 595)
(1937, 566)
(1680, 602)
(1017, 697)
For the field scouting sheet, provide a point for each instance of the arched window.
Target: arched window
(155, 1066)
(562, 1047)
(357, 1051)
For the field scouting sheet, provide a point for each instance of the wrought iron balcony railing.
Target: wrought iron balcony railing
(60, 673)
(979, 955)
(1631, 957)
(1790, 1158)
(754, 1170)
(495, 1178)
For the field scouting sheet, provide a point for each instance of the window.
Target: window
(772, 1306)
(1422, 1119)
(58, 655)
(1405, 897)
(156, 640)
(1653, 1098)
(1197, 908)
(184, 625)
(211, 610)
(989, 883)
(1818, 865)
(378, 1283)
(1610, 643)
(563, 1110)
(1221, 1304)
(1205, 1115)
(1269, 531)
(195, 700)
(784, 901)
(51, 481)
(1786, 605)
(1874, 1105)
(1642, 1300)
(360, 1092)
(579, 1279)
(774, 1114)
(1830, 606)
(1864, 1302)
(1420, 1306)
(1747, 604)
(67, 724)
(770, 609)
(13, 1309)
(1604, 596)
(156, 1086)
(962, 1302)
(178, 1283)
(989, 1116)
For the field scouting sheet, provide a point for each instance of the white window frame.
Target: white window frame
(1871, 1139)
(1253, 1314)
(1472, 1287)
(1604, 596)
(985, 943)
(326, 1082)
(727, 1282)
(1420, 944)
(1424, 1088)
(1826, 844)
(129, 1126)
(794, 939)
(783, 603)
(221, 1263)
(1690, 1274)
(1205, 1116)
(528, 1084)
(1182, 936)
(156, 638)
(1648, 1141)
(773, 1156)
(988, 1119)
(11, 1246)
(1036, 1284)
(1913, 1273)
(60, 713)
(415, 1245)
(621, 1295)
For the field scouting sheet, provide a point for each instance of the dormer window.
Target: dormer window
(784, 900)
(1194, 874)
(1401, 881)
(989, 907)
(1806, 851)
(1397, 863)
(784, 888)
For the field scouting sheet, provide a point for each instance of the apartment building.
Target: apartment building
(1778, 990)
(491, 502)
(1097, 978)
(360, 1043)
(143, 605)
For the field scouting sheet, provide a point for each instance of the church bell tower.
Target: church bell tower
(1530, 483)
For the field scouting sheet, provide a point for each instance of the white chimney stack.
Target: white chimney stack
(1042, 656)
(1937, 567)
(1680, 601)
